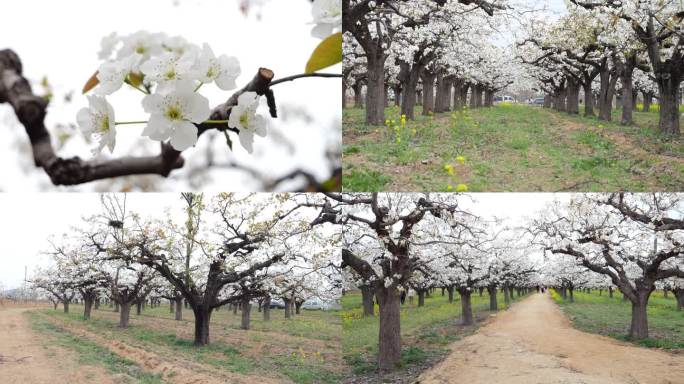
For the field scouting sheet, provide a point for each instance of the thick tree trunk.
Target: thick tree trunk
(246, 310)
(202, 318)
(588, 99)
(298, 306)
(573, 96)
(466, 307)
(428, 92)
(367, 298)
(138, 308)
(421, 297)
(87, 307)
(344, 94)
(627, 101)
(669, 105)
(386, 95)
(397, 95)
(171, 306)
(267, 308)
(639, 326)
(572, 296)
(358, 95)
(55, 304)
(610, 292)
(606, 93)
(124, 314)
(116, 307)
(507, 295)
(389, 342)
(450, 291)
(66, 306)
(375, 85)
(648, 98)
(679, 295)
(288, 307)
(179, 309)
(493, 305)
(409, 82)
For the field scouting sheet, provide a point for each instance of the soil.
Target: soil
(24, 359)
(533, 342)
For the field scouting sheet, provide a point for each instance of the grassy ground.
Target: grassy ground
(304, 350)
(426, 332)
(90, 353)
(509, 148)
(611, 317)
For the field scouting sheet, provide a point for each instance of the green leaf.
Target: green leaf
(91, 83)
(328, 52)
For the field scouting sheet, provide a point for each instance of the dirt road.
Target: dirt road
(534, 343)
(24, 359)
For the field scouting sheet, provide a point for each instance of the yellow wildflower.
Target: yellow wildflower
(461, 188)
(460, 159)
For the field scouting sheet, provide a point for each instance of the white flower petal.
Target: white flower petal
(184, 135)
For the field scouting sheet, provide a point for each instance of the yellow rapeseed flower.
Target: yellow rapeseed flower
(450, 187)
(461, 188)
(460, 159)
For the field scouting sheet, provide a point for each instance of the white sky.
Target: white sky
(60, 40)
(31, 218)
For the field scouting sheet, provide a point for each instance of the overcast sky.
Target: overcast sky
(61, 39)
(30, 219)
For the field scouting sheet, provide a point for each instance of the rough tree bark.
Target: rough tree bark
(246, 310)
(493, 304)
(367, 298)
(389, 343)
(466, 306)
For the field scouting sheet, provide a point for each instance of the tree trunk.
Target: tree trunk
(138, 308)
(375, 85)
(288, 306)
(179, 308)
(87, 307)
(409, 82)
(358, 95)
(507, 295)
(171, 309)
(55, 304)
(344, 94)
(573, 96)
(66, 306)
(466, 307)
(669, 105)
(627, 101)
(124, 314)
(389, 342)
(116, 307)
(493, 305)
(267, 308)
(606, 93)
(397, 95)
(202, 318)
(367, 298)
(421, 297)
(639, 327)
(246, 310)
(610, 292)
(588, 98)
(298, 306)
(679, 295)
(572, 296)
(648, 98)
(450, 290)
(428, 92)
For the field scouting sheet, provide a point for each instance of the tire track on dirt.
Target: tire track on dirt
(175, 371)
(24, 359)
(534, 342)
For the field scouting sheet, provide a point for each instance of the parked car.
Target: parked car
(277, 303)
(503, 99)
(539, 101)
(320, 304)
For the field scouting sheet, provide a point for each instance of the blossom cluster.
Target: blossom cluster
(169, 71)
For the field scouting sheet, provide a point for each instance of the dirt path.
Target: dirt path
(534, 343)
(24, 359)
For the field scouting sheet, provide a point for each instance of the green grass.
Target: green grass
(90, 353)
(426, 331)
(299, 367)
(600, 314)
(510, 148)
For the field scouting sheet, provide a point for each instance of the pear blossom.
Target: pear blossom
(223, 70)
(173, 114)
(112, 74)
(168, 68)
(97, 122)
(143, 43)
(327, 15)
(243, 117)
(107, 45)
